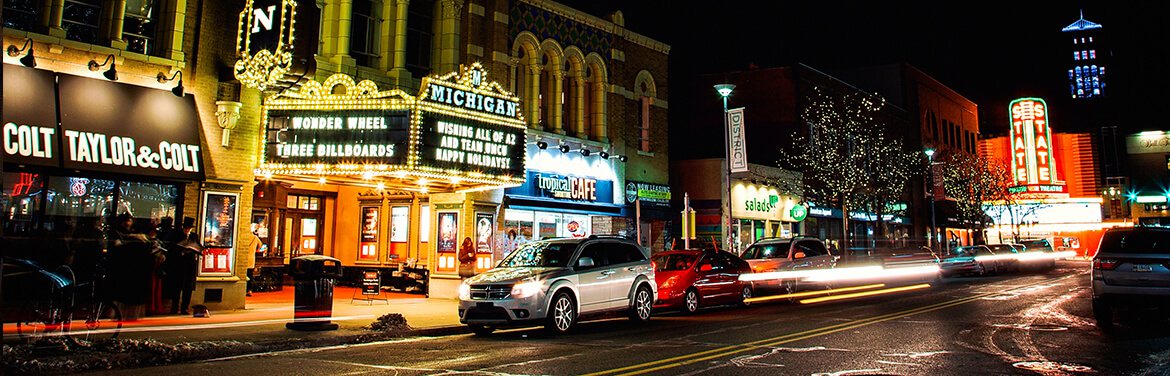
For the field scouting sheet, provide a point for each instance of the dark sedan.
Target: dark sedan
(689, 279)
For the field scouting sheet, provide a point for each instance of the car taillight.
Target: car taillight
(1105, 264)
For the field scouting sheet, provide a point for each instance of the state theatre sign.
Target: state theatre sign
(1033, 160)
(461, 129)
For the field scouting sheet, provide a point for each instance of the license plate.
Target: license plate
(1143, 268)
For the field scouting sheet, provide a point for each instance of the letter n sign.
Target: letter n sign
(264, 43)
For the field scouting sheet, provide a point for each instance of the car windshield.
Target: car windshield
(1136, 241)
(764, 251)
(674, 262)
(1004, 248)
(964, 251)
(540, 254)
(1038, 245)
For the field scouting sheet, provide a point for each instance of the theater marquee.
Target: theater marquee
(461, 129)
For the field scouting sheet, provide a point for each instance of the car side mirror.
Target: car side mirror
(705, 268)
(798, 255)
(585, 262)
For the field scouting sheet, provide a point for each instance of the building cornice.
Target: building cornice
(600, 24)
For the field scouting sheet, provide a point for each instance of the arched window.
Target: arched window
(526, 76)
(596, 97)
(645, 91)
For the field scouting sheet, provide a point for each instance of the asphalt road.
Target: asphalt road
(1023, 323)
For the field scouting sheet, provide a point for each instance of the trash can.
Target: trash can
(313, 279)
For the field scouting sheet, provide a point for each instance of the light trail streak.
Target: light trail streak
(865, 293)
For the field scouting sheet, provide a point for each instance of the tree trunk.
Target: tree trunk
(844, 226)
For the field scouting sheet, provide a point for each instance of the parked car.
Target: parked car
(1131, 269)
(1041, 245)
(559, 281)
(966, 260)
(690, 279)
(1009, 260)
(787, 254)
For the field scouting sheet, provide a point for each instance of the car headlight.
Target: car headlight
(526, 289)
(464, 291)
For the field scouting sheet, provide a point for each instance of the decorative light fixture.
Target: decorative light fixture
(622, 158)
(28, 60)
(603, 154)
(112, 73)
(584, 152)
(228, 115)
(541, 145)
(564, 148)
(178, 89)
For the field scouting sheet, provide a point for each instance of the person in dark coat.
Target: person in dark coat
(467, 258)
(182, 266)
(132, 265)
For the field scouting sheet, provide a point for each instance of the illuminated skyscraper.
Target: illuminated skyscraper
(1086, 76)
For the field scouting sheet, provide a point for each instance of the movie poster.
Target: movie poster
(448, 232)
(483, 232)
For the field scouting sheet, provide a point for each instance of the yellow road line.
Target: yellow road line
(792, 337)
(812, 293)
(864, 293)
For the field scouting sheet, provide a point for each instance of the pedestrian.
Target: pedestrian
(158, 255)
(182, 267)
(256, 247)
(132, 264)
(467, 258)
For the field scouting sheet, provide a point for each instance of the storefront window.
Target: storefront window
(21, 201)
(520, 222)
(79, 197)
(547, 225)
(148, 200)
(576, 226)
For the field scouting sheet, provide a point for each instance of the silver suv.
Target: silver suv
(1131, 267)
(558, 281)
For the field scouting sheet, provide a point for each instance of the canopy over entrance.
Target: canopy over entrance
(461, 133)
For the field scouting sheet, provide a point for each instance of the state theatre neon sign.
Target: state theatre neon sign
(1033, 163)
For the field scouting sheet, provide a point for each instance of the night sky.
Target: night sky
(989, 52)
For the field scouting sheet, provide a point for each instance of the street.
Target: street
(1022, 323)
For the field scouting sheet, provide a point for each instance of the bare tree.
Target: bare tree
(846, 156)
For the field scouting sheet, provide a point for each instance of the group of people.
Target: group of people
(149, 265)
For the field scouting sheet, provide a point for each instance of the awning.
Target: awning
(112, 127)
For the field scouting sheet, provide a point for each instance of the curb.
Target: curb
(439, 331)
(179, 353)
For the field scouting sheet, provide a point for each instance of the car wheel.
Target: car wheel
(1103, 313)
(482, 330)
(562, 313)
(690, 301)
(790, 287)
(745, 296)
(642, 305)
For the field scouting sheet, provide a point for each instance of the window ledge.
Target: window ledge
(646, 153)
(57, 44)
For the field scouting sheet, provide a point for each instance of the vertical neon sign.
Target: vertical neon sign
(1031, 138)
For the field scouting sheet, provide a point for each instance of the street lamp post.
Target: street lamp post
(930, 185)
(724, 91)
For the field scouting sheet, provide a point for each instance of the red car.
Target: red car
(689, 279)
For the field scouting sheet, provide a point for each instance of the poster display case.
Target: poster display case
(218, 233)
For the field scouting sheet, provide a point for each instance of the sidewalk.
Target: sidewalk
(259, 328)
(267, 312)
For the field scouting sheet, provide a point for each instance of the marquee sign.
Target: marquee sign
(332, 137)
(761, 202)
(468, 90)
(461, 130)
(1033, 162)
(265, 42)
(469, 145)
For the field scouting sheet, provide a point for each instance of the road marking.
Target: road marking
(673, 362)
(864, 294)
(813, 293)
